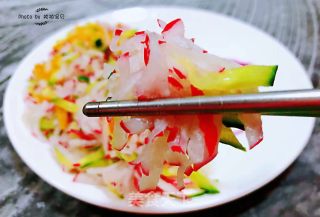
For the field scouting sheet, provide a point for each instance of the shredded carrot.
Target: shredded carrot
(62, 116)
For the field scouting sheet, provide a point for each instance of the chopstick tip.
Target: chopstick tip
(91, 109)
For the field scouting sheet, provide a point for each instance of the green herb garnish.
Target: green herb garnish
(111, 73)
(98, 43)
(83, 78)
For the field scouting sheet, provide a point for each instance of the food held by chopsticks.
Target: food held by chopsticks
(168, 65)
(139, 154)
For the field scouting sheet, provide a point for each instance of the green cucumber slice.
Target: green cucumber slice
(227, 137)
(46, 124)
(232, 120)
(94, 159)
(203, 182)
(252, 76)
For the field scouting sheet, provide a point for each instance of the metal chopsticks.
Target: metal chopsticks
(284, 103)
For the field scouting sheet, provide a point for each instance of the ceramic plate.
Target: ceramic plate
(238, 173)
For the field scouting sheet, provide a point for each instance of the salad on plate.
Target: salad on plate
(158, 154)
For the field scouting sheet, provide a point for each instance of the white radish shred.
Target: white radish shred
(150, 67)
(129, 154)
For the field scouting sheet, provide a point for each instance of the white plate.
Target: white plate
(238, 173)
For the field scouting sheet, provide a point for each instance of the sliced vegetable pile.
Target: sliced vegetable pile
(147, 154)
(168, 65)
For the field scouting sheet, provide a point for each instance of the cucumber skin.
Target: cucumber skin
(234, 145)
(233, 123)
(232, 120)
(227, 137)
(273, 76)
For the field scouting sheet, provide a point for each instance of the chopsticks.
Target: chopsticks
(283, 103)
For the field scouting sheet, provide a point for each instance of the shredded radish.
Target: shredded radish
(153, 66)
(146, 154)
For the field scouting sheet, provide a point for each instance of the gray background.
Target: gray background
(294, 22)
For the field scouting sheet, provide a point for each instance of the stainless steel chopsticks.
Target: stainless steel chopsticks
(285, 103)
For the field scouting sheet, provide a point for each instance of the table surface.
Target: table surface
(293, 22)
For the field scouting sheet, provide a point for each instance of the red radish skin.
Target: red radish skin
(179, 73)
(75, 177)
(177, 148)
(82, 135)
(195, 91)
(255, 144)
(175, 83)
(222, 69)
(117, 32)
(173, 132)
(211, 136)
(123, 126)
(170, 25)
(161, 42)
(146, 55)
(140, 33)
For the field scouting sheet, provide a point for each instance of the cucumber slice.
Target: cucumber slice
(191, 193)
(99, 163)
(197, 194)
(62, 159)
(227, 137)
(203, 182)
(114, 190)
(92, 158)
(95, 159)
(65, 104)
(46, 124)
(232, 120)
(249, 76)
(128, 157)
